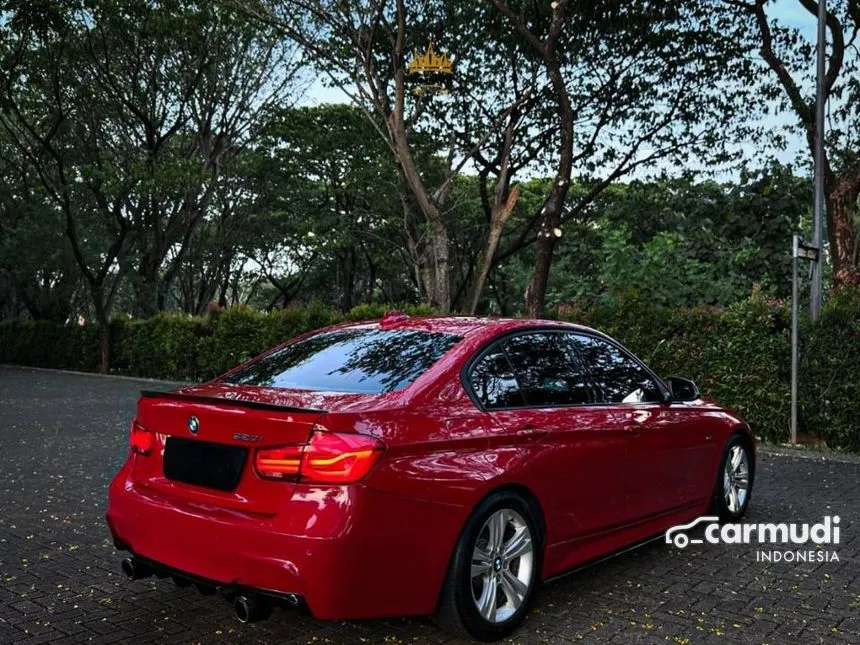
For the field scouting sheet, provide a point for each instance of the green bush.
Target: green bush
(741, 357)
(830, 373)
(285, 324)
(164, 346)
(738, 356)
(237, 334)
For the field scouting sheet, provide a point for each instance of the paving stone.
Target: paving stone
(63, 436)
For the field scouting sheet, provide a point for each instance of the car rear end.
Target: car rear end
(222, 502)
(259, 491)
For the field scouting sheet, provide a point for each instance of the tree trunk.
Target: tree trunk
(427, 246)
(842, 194)
(104, 340)
(546, 48)
(146, 289)
(440, 296)
(224, 288)
(434, 270)
(371, 275)
(436, 248)
(348, 261)
(103, 326)
(500, 215)
(535, 296)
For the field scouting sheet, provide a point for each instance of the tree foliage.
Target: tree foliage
(161, 156)
(127, 112)
(789, 56)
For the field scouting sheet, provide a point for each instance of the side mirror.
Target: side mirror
(683, 389)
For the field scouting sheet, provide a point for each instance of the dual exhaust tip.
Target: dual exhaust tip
(247, 608)
(135, 569)
(250, 609)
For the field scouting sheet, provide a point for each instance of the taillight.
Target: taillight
(141, 439)
(279, 463)
(339, 458)
(327, 458)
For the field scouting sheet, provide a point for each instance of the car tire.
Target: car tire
(493, 575)
(735, 477)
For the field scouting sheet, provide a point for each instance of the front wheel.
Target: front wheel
(734, 480)
(494, 571)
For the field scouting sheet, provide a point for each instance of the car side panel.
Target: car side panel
(461, 470)
(576, 464)
(672, 453)
(469, 453)
(445, 450)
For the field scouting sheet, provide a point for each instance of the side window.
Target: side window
(619, 378)
(548, 369)
(494, 383)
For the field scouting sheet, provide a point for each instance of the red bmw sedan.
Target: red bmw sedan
(419, 465)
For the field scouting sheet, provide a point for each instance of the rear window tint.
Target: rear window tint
(368, 361)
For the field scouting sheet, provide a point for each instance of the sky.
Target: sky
(789, 12)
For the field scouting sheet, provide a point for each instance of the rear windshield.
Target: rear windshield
(369, 361)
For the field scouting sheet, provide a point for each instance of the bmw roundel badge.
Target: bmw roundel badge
(193, 425)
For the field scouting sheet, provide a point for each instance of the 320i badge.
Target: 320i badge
(419, 465)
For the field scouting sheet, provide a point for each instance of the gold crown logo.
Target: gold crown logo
(430, 61)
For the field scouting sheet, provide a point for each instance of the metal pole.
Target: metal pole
(818, 204)
(795, 249)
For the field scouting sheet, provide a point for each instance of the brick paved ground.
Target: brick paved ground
(63, 436)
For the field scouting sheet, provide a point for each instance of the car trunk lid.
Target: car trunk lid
(205, 441)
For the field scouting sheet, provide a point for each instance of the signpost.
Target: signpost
(799, 251)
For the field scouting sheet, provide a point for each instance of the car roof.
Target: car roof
(464, 325)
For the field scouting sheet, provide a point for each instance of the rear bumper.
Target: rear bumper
(228, 591)
(348, 552)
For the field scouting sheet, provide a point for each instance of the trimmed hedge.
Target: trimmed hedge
(170, 346)
(740, 356)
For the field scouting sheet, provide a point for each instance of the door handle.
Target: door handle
(530, 432)
(641, 416)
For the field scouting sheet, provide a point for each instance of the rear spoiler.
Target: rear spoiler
(214, 400)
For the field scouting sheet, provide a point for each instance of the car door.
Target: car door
(533, 382)
(666, 452)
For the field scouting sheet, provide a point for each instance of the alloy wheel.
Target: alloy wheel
(736, 479)
(502, 564)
